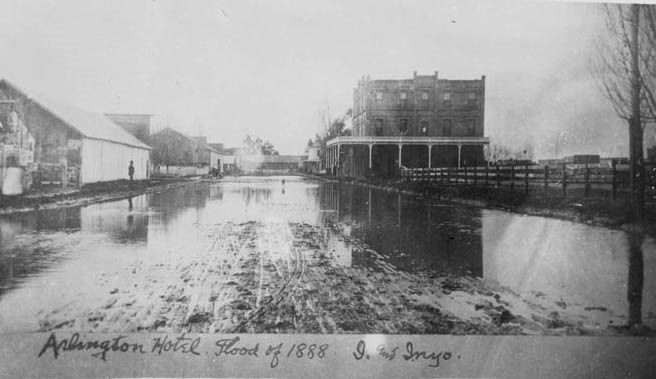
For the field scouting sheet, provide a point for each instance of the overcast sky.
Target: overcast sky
(227, 68)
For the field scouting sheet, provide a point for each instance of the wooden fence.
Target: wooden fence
(566, 179)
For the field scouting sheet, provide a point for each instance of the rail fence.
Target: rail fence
(551, 180)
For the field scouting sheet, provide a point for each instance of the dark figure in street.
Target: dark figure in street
(131, 171)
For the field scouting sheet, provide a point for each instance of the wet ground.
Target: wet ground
(254, 255)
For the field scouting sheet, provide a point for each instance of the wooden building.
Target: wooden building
(58, 144)
(177, 154)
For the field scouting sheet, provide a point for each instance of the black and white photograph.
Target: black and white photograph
(222, 188)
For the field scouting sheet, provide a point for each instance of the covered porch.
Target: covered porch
(385, 156)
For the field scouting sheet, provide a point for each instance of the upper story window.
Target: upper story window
(403, 126)
(446, 127)
(424, 99)
(471, 127)
(424, 128)
(447, 98)
(378, 127)
(471, 98)
(403, 99)
(379, 97)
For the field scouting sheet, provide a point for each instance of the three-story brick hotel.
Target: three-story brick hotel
(420, 122)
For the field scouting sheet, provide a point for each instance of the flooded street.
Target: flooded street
(254, 255)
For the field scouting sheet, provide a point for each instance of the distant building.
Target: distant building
(269, 164)
(218, 147)
(174, 149)
(583, 159)
(312, 163)
(580, 160)
(57, 144)
(136, 124)
(226, 157)
(551, 162)
(424, 121)
(207, 153)
(228, 164)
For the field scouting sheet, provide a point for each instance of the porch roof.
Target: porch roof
(407, 140)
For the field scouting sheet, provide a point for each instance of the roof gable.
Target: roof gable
(90, 125)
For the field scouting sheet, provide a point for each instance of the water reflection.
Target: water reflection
(111, 219)
(412, 236)
(170, 203)
(636, 276)
(604, 272)
(21, 253)
(257, 195)
(34, 241)
(39, 220)
(599, 270)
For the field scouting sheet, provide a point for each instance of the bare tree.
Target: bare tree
(331, 126)
(626, 68)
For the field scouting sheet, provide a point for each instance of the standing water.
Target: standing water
(257, 255)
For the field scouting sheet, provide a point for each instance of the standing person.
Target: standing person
(131, 171)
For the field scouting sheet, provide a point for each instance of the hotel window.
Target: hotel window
(471, 98)
(379, 97)
(378, 127)
(471, 127)
(403, 99)
(424, 99)
(403, 126)
(447, 98)
(446, 127)
(424, 128)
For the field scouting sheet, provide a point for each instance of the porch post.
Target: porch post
(400, 149)
(338, 160)
(459, 154)
(430, 148)
(370, 149)
(331, 158)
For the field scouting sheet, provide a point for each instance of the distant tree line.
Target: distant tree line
(257, 146)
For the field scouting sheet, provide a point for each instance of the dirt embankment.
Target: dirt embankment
(90, 193)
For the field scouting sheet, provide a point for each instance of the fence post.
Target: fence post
(526, 178)
(587, 180)
(487, 171)
(546, 179)
(465, 173)
(564, 180)
(475, 175)
(497, 177)
(512, 177)
(614, 193)
(448, 175)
